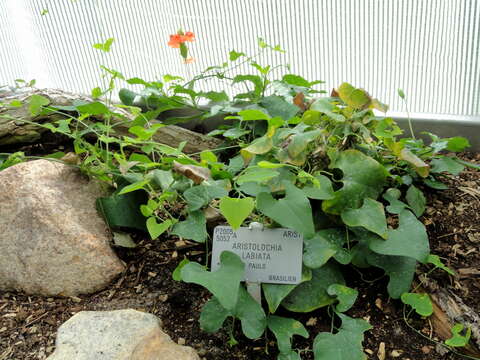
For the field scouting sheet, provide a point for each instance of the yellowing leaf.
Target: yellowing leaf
(269, 165)
(353, 97)
(421, 167)
(261, 145)
(377, 104)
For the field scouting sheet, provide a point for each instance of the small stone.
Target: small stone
(76, 299)
(396, 353)
(119, 335)
(311, 322)
(181, 341)
(381, 351)
(378, 303)
(426, 349)
(369, 351)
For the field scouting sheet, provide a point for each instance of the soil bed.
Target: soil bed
(28, 324)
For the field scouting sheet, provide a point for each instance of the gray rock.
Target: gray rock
(116, 335)
(52, 240)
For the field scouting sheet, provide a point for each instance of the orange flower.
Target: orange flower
(180, 38)
(175, 40)
(189, 36)
(189, 60)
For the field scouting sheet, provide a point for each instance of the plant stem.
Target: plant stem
(409, 120)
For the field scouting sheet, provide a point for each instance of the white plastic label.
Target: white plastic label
(270, 255)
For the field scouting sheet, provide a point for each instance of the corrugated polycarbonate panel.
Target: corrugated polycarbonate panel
(429, 48)
(12, 61)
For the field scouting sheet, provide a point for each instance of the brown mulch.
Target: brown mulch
(28, 324)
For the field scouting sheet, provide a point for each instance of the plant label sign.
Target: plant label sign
(270, 255)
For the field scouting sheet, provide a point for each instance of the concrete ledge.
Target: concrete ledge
(443, 126)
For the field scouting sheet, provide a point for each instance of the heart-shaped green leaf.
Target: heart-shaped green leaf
(312, 294)
(346, 344)
(362, 177)
(277, 106)
(346, 296)
(94, 108)
(420, 302)
(36, 102)
(435, 260)
(193, 228)
(396, 206)
(457, 143)
(249, 312)
(253, 114)
(201, 195)
(293, 211)
(284, 329)
(458, 339)
(257, 175)
(370, 216)
(236, 210)
(400, 269)
(326, 107)
(163, 178)
(155, 229)
(223, 283)
(324, 190)
(446, 164)
(251, 315)
(213, 315)
(416, 200)
(275, 293)
(325, 244)
(409, 239)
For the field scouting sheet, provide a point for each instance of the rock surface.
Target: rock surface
(117, 335)
(52, 240)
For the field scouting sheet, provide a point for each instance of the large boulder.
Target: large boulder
(116, 335)
(52, 240)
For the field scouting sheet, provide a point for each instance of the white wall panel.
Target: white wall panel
(429, 48)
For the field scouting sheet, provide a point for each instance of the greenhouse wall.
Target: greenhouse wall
(428, 48)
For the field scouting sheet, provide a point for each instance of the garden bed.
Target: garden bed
(28, 324)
